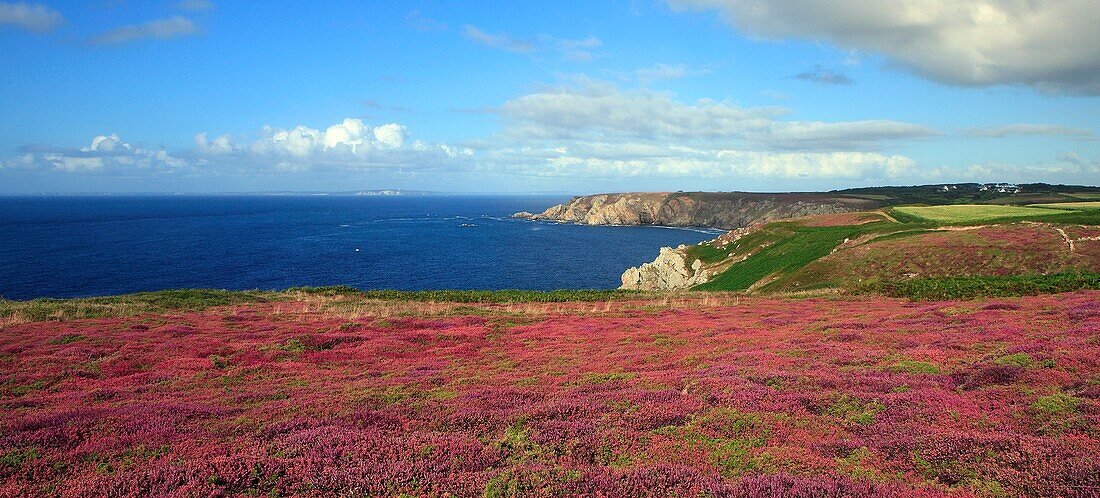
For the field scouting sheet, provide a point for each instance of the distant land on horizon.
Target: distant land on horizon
(730, 210)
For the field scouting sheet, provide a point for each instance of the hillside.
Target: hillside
(699, 209)
(319, 392)
(732, 210)
(859, 251)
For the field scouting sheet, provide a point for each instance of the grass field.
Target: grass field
(800, 246)
(1071, 205)
(969, 213)
(936, 241)
(1084, 195)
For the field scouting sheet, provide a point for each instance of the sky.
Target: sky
(555, 96)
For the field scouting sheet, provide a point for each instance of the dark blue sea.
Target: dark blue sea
(98, 245)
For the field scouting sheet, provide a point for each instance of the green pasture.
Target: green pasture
(969, 213)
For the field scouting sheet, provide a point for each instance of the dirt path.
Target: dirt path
(887, 216)
(960, 229)
(1065, 237)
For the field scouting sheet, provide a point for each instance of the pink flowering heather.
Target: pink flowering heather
(766, 398)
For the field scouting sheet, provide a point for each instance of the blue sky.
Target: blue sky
(562, 96)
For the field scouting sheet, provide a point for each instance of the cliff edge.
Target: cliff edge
(670, 271)
(727, 210)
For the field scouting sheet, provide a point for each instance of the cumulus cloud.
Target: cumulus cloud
(30, 16)
(591, 130)
(1045, 44)
(348, 145)
(161, 29)
(1025, 129)
(216, 147)
(105, 152)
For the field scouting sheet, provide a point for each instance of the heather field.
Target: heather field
(697, 395)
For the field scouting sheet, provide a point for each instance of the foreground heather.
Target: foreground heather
(860, 397)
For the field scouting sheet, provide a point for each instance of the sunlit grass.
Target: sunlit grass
(966, 213)
(1070, 205)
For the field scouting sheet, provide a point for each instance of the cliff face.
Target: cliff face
(669, 271)
(720, 210)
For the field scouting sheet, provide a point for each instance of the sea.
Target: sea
(79, 246)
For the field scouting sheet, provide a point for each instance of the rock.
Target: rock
(721, 210)
(669, 271)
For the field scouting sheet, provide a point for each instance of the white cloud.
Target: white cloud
(161, 29)
(631, 160)
(857, 135)
(104, 153)
(1047, 44)
(351, 137)
(592, 129)
(390, 135)
(664, 72)
(598, 111)
(30, 16)
(575, 50)
(216, 147)
(1024, 129)
(581, 50)
(596, 131)
(499, 41)
(595, 108)
(349, 145)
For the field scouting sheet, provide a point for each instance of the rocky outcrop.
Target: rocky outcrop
(670, 271)
(698, 209)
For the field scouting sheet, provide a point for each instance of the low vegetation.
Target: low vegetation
(915, 251)
(128, 304)
(969, 287)
(201, 299)
(791, 247)
(972, 213)
(1071, 205)
(277, 395)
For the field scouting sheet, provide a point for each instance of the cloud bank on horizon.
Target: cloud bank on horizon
(574, 117)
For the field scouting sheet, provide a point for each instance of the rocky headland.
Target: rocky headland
(670, 271)
(727, 210)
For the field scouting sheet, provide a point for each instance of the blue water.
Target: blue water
(99, 245)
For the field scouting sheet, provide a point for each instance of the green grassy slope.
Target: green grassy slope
(966, 213)
(800, 246)
(939, 242)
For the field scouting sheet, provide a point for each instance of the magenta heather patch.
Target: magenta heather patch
(845, 397)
